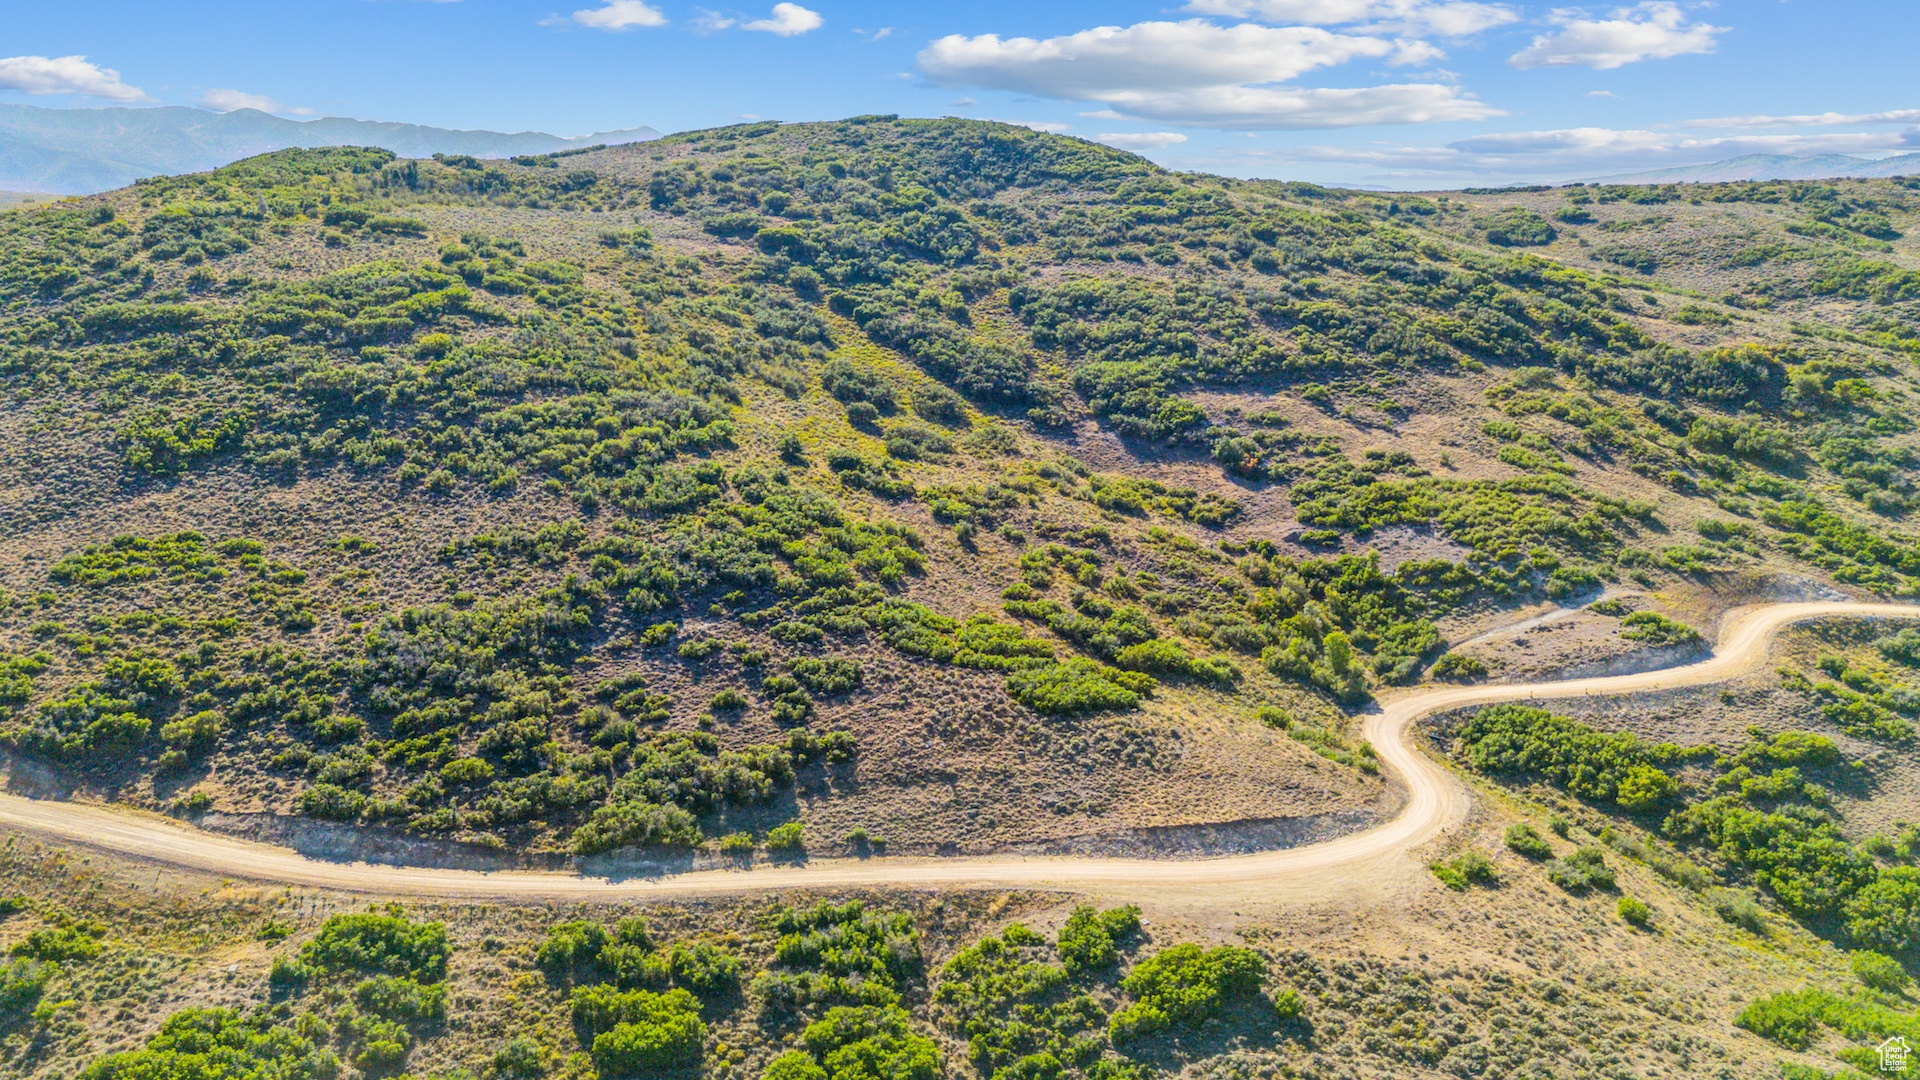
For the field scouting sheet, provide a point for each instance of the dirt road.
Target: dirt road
(1436, 800)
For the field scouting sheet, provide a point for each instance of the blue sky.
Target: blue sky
(1392, 93)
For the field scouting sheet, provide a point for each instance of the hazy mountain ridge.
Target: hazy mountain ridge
(1773, 167)
(81, 151)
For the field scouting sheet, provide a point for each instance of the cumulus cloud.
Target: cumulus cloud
(787, 20)
(616, 15)
(1447, 18)
(1155, 56)
(1141, 140)
(1263, 108)
(235, 100)
(65, 75)
(1654, 30)
(1197, 72)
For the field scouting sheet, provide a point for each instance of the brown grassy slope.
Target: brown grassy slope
(1493, 982)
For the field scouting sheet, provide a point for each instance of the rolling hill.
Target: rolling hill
(910, 487)
(81, 151)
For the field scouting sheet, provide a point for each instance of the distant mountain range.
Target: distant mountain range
(1773, 167)
(81, 151)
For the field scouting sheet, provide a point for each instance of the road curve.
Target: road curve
(1436, 800)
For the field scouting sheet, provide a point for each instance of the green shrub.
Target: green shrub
(1184, 984)
(1523, 839)
(1618, 767)
(704, 968)
(1792, 1020)
(1517, 227)
(1469, 868)
(650, 1032)
(387, 944)
(837, 953)
(1455, 667)
(794, 1065)
(1878, 971)
(787, 838)
(67, 941)
(1635, 912)
(636, 824)
(1738, 909)
(827, 676)
(520, 1059)
(1091, 938)
(21, 983)
(570, 948)
(220, 1043)
(868, 1041)
(1077, 685)
(1585, 869)
(1653, 628)
(1885, 914)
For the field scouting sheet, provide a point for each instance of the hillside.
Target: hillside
(82, 151)
(479, 493)
(926, 487)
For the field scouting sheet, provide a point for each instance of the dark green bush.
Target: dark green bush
(644, 1032)
(1090, 939)
(1078, 685)
(1184, 984)
(1585, 869)
(1635, 912)
(1526, 840)
(1878, 971)
(1468, 869)
(1454, 667)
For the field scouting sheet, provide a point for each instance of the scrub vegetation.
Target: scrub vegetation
(735, 408)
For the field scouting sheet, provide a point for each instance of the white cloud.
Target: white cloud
(1447, 18)
(616, 15)
(1141, 140)
(1196, 72)
(711, 21)
(787, 20)
(1286, 109)
(65, 75)
(1096, 63)
(1604, 94)
(1653, 30)
(233, 100)
(1826, 119)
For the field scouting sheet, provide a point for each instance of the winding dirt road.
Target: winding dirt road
(1436, 800)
